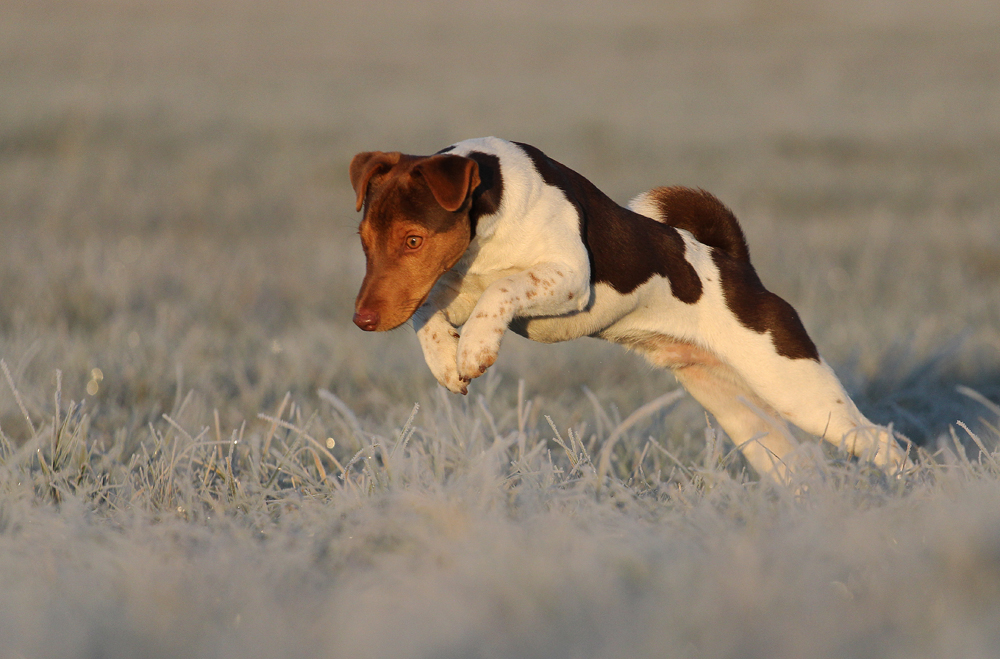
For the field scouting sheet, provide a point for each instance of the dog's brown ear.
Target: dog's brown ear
(366, 165)
(451, 178)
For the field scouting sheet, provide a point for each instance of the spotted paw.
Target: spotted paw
(440, 346)
(475, 356)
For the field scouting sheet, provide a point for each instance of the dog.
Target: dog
(487, 235)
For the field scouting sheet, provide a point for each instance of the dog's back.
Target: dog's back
(698, 212)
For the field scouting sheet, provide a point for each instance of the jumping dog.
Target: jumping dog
(487, 235)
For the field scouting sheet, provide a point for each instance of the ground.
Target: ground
(202, 456)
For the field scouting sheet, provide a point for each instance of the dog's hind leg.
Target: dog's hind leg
(807, 393)
(753, 426)
(756, 429)
(839, 422)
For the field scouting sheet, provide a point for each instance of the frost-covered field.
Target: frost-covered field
(202, 457)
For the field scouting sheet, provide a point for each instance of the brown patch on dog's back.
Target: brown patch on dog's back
(625, 248)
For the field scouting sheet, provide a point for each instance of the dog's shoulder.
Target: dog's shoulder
(698, 212)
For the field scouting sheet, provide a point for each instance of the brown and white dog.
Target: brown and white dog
(489, 234)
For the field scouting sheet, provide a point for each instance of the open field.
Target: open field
(201, 456)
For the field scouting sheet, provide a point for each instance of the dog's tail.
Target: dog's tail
(697, 211)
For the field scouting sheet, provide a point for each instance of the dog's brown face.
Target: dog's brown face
(415, 227)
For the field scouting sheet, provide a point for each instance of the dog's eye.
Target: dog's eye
(413, 242)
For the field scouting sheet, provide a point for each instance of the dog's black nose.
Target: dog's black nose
(366, 319)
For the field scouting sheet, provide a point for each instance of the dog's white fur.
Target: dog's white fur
(527, 262)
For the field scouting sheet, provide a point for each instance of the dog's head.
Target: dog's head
(415, 228)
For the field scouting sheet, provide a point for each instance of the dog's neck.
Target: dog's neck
(505, 192)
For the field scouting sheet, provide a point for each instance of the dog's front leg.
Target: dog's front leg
(449, 304)
(546, 289)
(439, 342)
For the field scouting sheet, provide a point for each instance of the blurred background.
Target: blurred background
(175, 210)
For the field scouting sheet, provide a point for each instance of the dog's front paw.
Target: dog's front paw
(448, 377)
(477, 351)
(440, 348)
(453, 383)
